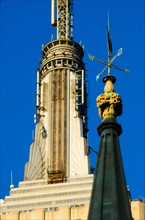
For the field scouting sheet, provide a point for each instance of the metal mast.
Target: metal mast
(62, 18)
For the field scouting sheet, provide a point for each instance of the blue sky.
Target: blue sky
(25, 26)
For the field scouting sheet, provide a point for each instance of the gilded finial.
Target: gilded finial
(109, 104)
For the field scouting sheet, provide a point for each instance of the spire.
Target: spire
(109, 199)
(61, 106)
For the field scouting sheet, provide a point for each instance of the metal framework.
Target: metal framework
(62, 18)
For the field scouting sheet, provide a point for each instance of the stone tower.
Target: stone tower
(57, 183)
(60, 147)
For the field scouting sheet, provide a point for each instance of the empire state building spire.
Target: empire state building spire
(56, 178)
(60, 147)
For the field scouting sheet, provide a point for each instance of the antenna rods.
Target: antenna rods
(38, 90)
(11, 178)
(53, 12)
(11, 186)
(82, 86)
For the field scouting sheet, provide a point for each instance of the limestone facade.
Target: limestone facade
(60, 147)
(38, 200)
(138, 210)
(79, 212)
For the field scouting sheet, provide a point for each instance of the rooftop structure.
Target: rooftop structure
(60, 147)
(57, 173)
(110, 198)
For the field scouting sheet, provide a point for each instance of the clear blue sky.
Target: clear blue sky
(25, 26)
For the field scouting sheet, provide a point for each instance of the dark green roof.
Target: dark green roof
(109, 200)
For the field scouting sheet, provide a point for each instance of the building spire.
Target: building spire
(61, 104)
(109, 199)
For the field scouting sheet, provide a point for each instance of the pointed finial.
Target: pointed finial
(109, 42)
(109, 45)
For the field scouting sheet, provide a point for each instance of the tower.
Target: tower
(57, 183)
(109, 199)
(60, 147)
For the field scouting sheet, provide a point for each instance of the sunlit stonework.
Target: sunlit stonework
(109, 104)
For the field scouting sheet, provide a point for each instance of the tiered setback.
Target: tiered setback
(38, 194)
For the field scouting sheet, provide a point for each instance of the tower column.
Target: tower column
(62, 114)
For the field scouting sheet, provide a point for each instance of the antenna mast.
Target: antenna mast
(11, 186)
(62, 18)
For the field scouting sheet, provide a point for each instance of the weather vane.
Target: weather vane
(109, 64)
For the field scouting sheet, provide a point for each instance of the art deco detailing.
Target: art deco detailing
(61, 53)
(61, 104)
(36, 166)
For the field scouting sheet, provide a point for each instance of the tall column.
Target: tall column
(60, 148)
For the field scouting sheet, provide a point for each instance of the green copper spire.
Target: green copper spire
(109, 199)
